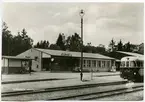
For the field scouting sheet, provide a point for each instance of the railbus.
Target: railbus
(132, 68)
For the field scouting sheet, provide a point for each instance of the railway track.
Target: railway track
(44, 90)
(96, 95)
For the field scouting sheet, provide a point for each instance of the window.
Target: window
(132, 64)
(139, 63)
(123, 63)
(99, 64)
(103, 64)
(93, 63)
(135, 65)
(36, 58)
(84, 63)
(108, 63)
(88, 63)
(127, 63)
(24, 63)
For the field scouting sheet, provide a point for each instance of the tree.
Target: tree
(101, 49)
(7, 40)
(88, 48)
(73, 43)
(14, 45)
(54, 47)
(47, 44)
(120, 46)
(60, 41)
(92, 49)
(26, 40)
(127, 47)
(22, 42)
(141, 48)
(134, 48)
(37, 45)
(67, 43)
(112, 45)
(42, 44)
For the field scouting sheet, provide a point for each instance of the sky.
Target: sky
(102, 21)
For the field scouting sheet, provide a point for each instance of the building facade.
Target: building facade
(14, 64)
(56, 60)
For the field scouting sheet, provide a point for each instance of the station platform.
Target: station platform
(47, 76)
(59, 83)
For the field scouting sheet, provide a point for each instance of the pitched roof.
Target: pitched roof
(72, 54)
(130, 53)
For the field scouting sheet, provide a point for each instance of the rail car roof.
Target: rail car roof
(132, 58)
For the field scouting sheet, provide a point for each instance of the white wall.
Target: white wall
(4, 62)
(14, 63)
(36, 64)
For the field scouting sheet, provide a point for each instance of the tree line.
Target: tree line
(73, 43)
(127, 47)
(15, 44)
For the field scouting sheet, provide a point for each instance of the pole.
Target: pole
(30, 64)
(81, 74)
(91, 73)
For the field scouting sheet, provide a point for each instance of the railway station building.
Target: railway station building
(57, 60)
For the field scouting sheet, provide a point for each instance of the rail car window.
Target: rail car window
(123, 63)
(132, 63)
(139, 63)
(127, 63)
(135, 64)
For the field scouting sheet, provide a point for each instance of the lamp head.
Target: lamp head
(52, 59)
(82, 13)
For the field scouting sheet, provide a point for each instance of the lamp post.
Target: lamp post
(52, 59)
(81, 15)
